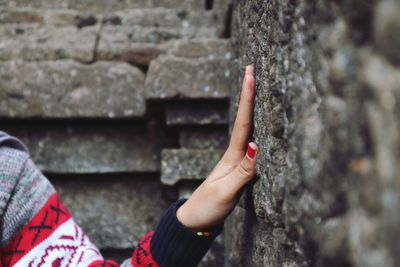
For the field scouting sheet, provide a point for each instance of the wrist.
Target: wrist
(191, 221)
(184, 217)
(171, 236)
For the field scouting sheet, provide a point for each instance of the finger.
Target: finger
(244, 117)
(243, 173)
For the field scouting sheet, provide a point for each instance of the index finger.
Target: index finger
(244, 117)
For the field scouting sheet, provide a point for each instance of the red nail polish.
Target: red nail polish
(251, 152)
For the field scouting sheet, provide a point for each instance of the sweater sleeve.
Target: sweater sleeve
(38, 230)
(172, 244)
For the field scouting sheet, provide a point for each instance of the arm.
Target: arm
(36, 229)
(187, 230)
(216, 197)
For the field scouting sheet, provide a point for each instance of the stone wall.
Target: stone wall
(326, 121)
(122, 104)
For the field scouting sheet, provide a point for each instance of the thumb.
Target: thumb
(244, 172)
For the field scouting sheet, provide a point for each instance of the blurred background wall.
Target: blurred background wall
(123, 104)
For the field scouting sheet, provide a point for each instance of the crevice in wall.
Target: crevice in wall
(97, 41)
(156, 111)
(209, 4)
(172, 138)
(86, 21)
(228, 22)
(359, 15)
(143, 68)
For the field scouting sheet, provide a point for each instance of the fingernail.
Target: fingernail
(249, 69)
(251, 152)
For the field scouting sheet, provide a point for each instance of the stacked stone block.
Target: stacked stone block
(120, 103)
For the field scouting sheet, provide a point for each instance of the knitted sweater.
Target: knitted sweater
(36, 229)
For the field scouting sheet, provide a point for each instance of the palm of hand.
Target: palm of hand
(216, 197)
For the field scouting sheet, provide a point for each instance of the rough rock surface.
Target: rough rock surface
(92, 148)
(114, 211)
(72, 86)
(34, 42)
(187, 164)
(22, 15)
(205, 47)
(99, 6)
(326, 123)
(59, 89)
(139, 54)
(192, 113)
(325, 117)
(179, 77)
(203, 138)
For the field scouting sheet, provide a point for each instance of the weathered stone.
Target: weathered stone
(61, 17)
(237, 220)
(105, 5)
(215, 256)
(162, 17)
(62, 89)
(219, 4)
(381, 76)
(93, 148)
(331, 235)
(187, 164)
(326, 125)
(20, 15)
(138, 34)
(203, 138)
(155, 26)
(136, 54)
(278, 121)
(196, 113)
(173, 77)
(186, 189)
(209, 48)
(115, 211)
(37, 43)
(387, 28)
(326, 116)
(49, 4)
(333, 36)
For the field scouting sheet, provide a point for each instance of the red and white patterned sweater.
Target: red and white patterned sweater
(36, 229)
(52, 238)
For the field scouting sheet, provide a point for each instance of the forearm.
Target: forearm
(173, 244)
(38, 228)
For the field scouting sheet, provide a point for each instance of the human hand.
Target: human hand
(217, 196)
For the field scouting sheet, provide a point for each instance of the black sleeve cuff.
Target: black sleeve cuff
(174, 245)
